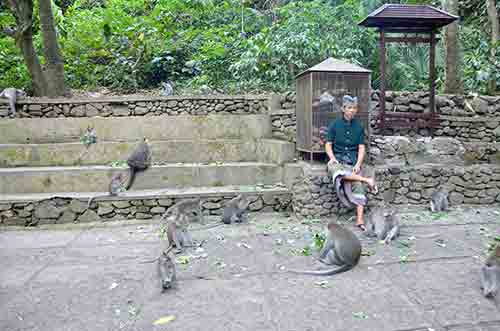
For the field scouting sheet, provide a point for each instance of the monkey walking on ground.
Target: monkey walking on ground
(139, 160)
(341, 248)
(490, 274)
(12, 95)
(439, 200)
(115, 187)
(383, 223)
(233, 211)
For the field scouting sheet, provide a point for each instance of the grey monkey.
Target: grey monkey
(178, 218)
(139, 160)
(383, 224)
(168, 89)
(234, 209)
(490, 274)
(115, 187)
(341, 248)
(166, 270)
(439, 200)
(12, 95)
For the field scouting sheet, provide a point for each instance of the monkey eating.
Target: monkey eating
(439, 200)
(490, 274)
(166, 270)
(384, 224)
(341, 248)
(12, 94)
(115, 187)
(234, 209)
(139, 160)
(178, 218)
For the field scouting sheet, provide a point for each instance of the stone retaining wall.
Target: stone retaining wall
(467, 118)
(147, 106)
(68, 210)
(313, 196)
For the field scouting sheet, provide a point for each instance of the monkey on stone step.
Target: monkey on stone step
(341, 248)
(166, 270)
(115, 187)
(89, 138)
(234, 209)
(12, 95)
(383, 223)
(439, 200)
(139, 160)
(490, 274)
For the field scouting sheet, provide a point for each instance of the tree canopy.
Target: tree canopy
(236, 45)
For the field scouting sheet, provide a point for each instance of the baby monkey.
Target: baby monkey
(383, 224)
(115, 187)
(341, 248)
(439, 200)
(233, 211)
(490, 274)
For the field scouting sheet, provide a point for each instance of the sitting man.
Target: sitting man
(346, 136)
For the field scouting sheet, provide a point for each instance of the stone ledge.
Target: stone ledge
(35, 209)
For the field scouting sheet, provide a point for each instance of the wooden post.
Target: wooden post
(432, 76)
(382, 80)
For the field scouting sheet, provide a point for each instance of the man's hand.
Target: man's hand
(356, 169)
(332, 162)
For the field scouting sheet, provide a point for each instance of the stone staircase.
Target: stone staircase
(47, 174)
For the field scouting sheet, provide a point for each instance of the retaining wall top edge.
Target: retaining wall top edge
(136, 99)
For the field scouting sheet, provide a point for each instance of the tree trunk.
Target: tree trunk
(54, 67)
(453, 83)
(495, 31)
(23, 14)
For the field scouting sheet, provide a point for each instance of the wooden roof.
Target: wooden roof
(404, 18)
(335, 65)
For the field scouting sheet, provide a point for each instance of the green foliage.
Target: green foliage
(234, 45)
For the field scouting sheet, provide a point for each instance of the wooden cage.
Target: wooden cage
(320, 91)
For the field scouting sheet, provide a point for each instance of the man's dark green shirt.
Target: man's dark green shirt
(346, 137)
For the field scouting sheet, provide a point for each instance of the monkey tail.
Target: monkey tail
(90, 201)
(326, 272)
(131, 178)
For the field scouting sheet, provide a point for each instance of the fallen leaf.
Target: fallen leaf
(113, 285)
(360, 315)
(183, 259)
(164, 320)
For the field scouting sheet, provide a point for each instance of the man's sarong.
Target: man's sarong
(350, 193)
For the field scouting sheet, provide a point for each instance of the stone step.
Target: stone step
(96, 178)
(66, 207)
(115, 129)
(172, 151)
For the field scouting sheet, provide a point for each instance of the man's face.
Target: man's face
(350, 111)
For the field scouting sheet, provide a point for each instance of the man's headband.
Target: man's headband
(349, 101)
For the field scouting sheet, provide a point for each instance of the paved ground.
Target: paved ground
(93, 278)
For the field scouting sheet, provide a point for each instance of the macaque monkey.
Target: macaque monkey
(439, 200)
(12, 95)
(139, 160)
(168, 89)
(115, 187)
(341, 248)
(383, 223)
(178, 218)
(166, 270)
(490, 274)
(234, 209)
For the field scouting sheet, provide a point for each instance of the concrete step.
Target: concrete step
(114, 129)
(66, 207)
(172, 151)
(96, 178)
